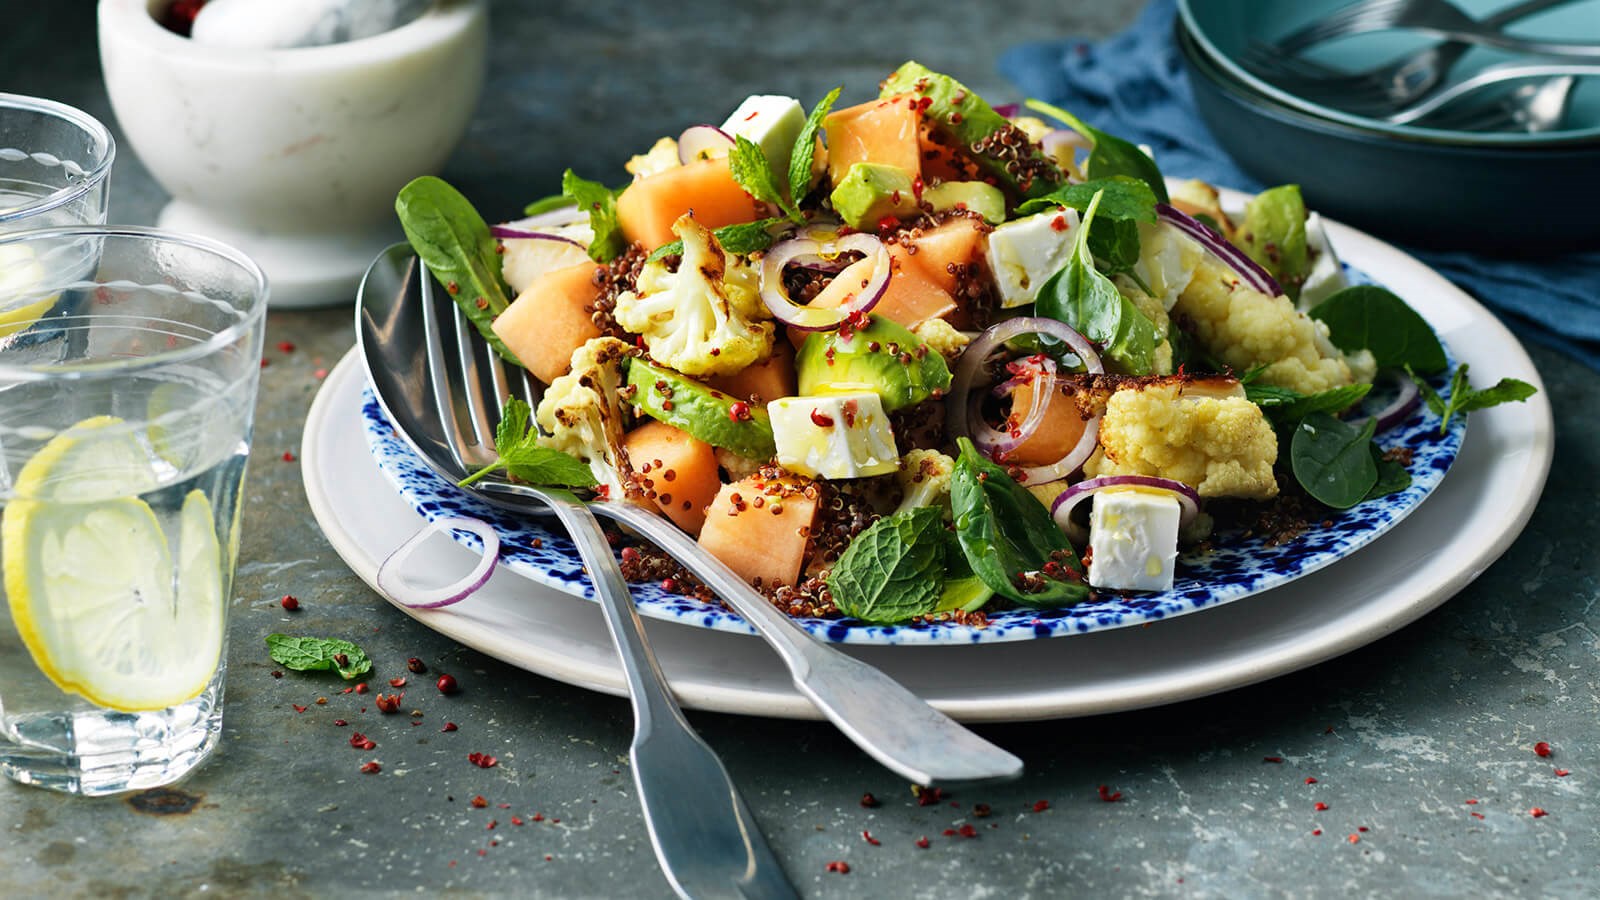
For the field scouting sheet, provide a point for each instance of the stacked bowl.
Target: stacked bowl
(1468, 176)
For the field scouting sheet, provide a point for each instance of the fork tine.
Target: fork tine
(482, 410)
(438, 368)
(1367, 15)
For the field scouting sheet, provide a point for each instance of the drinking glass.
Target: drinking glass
(55, 165)
(127, 386)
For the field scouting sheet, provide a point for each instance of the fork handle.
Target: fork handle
(893, 725)
(705, 838)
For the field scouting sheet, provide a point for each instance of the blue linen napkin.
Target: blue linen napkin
(1134, 85)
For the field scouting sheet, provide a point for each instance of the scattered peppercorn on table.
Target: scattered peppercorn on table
(1457, 754)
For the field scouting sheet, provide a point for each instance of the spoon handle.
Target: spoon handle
(706, 840)
(893, 725)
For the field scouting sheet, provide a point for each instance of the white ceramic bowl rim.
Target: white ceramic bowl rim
(104, 144)
(1275, 94)
(443, 19)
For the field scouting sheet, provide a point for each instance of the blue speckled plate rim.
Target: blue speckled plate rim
(1228, 573)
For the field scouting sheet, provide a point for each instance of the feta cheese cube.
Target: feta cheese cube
(771, 121)
(1134, 536)
(1023, 254)
(1327, 274)
(844, 435)
(1167, 261)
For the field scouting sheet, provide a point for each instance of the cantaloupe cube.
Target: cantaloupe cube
(767, 380)
(551, 319)
(878, 131)
(941, 251)
(1058, 431)
(647, 209)
(678, 471)
(913, 295)
(760, 528)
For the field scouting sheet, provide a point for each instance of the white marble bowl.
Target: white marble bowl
(294, 156)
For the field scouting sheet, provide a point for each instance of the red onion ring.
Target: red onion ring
(506, 232)
(1218, 246)
(703, 142)
(391, 582)
(1400, 408)
(996, 443)
(961, 413)
(1069, 499)
(561, 215)
(808, 250)
(1008, 110)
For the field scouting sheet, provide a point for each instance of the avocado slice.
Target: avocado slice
(883, 357)
(706, 414)
(870, 192)
(1274, 234)
(999, 147)
(984, 199)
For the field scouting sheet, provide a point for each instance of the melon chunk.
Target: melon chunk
(647, 209)
(677, 472)
(760, 528)
(1058, 431)
(769, 379)
(943, 250)
(878, 131)
(551, 319)
(914, 295)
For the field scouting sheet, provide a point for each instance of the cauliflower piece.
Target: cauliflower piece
(1222, 446)
(661, 156)
(1245, 328)
(701, 319)
(582, 414)
(924, 479)
(738, 467)
(941, 337)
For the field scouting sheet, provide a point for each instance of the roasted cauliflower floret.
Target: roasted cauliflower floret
(941, 337)
(1247, 329)
(924, 479)
(1222, 446)
(582, 413)
(704, 318)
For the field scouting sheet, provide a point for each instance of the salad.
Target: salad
(922, 358)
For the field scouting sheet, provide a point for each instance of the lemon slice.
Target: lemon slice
(92, 586)
(19, 272)
(95, 459)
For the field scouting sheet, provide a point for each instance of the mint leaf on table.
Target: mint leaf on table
(1331, 459)
(1110, 155)
(748, 164)
(521, 457)
(894, 570)
(1368, 317)
(312, 654)
(601, 204)
(805, 148)
(1463, 398)
(740, 240)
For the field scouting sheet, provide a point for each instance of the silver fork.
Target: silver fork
(1382, 88)
(1439, 18)
(705, 837)
(1534, 108)
(1490, 77)
(893, 725)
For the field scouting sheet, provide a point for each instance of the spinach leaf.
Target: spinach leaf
(455, 244)
(805, 148)
(601, 202)
(1110, 155)
(1331, 459)
(310, 654)
(545, 204)
(1124, 202)
(1008, 537)
(1464, 399)
(1392, 475)
(516, 445)
(1367, 317)
(1285, 406)
(1274, 235)
(1081, 296)
(739, 239)
(894, 570)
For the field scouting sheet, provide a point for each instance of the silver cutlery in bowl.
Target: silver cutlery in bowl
(1439, 18)
(1551, 106)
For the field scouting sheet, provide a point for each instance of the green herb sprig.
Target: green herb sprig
(521, 457)
(1463, 398)
(313, 654)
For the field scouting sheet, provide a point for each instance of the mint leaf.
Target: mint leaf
(1368, 317)
(1081, 296)
(748, 164)
(1110, 155)
(601, 203)
(740, 240)
(521, 457)
(1464, 399)
(1331, 460)
(805, 148)
(1286, 406)
(311, 654)
(513, 428)
(894, 570)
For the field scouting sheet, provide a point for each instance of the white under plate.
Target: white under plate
(1472, 518)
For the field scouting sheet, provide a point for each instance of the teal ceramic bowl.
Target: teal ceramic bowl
(1222, 29)
(1502, 198)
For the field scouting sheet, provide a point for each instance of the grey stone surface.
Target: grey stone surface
(1399, 735)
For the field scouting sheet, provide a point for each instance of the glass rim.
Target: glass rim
(250, 318)
(92, 177)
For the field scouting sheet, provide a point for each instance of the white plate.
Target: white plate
(1449, 541)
